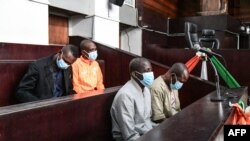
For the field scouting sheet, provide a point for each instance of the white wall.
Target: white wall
(128, 15)
(106, 32)
(81, 6)
(23, 21)
(26, 21)
(80, 26)
(131, 40)
(106, 10)
(102, 27)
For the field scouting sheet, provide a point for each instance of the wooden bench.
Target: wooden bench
(14, 61)
(14, 65)
(11, 72)
(77, 117)
(74, 117)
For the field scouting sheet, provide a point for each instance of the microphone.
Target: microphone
(204, 50)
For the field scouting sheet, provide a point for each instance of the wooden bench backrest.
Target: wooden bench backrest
(14, 62)
(74, 117)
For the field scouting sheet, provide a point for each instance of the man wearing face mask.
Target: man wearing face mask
(164, 91)
(87, 75)
(131, 108)
(49, 76)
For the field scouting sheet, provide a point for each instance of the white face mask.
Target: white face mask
(61, 63)
(148, 78)
(92, 55)
(177, 85)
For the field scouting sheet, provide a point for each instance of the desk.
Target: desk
(200, 121)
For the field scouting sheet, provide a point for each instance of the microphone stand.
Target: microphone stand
(218, 97)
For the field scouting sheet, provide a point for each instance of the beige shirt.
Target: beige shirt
(165, 103)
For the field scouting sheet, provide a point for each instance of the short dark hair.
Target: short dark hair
(178, 69)
(84, 43)
(71, 48)
(136, 64)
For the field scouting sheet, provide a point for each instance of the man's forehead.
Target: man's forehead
(89, 46)
(68, 53)
(145, 66)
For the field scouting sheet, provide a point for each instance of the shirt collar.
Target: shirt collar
(87, 61)
(136, 84)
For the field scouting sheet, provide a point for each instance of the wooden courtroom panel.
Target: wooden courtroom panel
(11, 72)
(220, 23)
(200, 121)
(74, 117)
(58, 30)
(14, 61)
(235, 61)
(13, 51)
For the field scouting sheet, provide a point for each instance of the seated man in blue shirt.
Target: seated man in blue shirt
(49, 76)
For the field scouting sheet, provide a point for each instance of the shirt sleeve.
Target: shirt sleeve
(100, 85)
(76, 84)
(157, 105)
(124, 115)
(25, 90)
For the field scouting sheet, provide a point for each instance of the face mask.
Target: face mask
(92, 55)
(148, 78)
(177, 85)
(61, 63)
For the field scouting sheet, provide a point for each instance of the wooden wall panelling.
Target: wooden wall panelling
(154, 20)
(159, 22)
(78, 117)
(236, 61)
(11, 74)
(187, 8)
(220, 23)
(153, 38)
(14, 61)
(58, 30)
(12, 51)
(174, 8)
(165, 7)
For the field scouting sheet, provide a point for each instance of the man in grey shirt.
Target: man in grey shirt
(131, 108)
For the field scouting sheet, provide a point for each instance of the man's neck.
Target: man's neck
(139, 83)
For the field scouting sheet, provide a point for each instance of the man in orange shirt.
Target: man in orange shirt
(87, 75)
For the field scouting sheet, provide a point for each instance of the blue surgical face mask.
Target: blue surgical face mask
(148, 78)
(61, 63)
(177, 85)
(92, 55)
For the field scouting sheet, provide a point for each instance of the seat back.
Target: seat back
(191, 35)
(209, 40)
(102, 67)
(79, 117)
(14, 62)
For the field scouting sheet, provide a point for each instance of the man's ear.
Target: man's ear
(138, 75)
(133, 74)
(84, 53)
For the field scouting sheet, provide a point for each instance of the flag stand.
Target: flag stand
(218, 97)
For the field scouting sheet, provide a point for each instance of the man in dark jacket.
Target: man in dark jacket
(48, 77)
